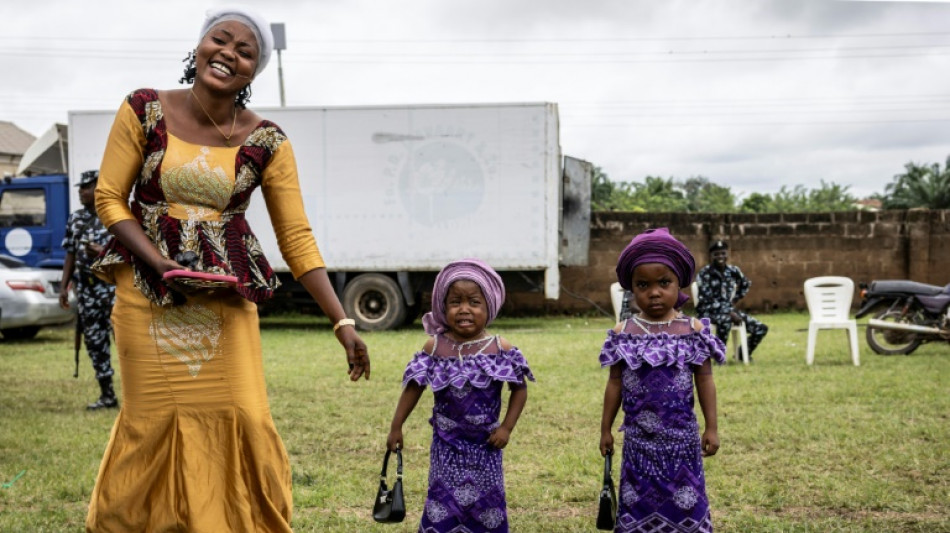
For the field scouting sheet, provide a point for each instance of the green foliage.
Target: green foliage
(699, 195)
(655, 194)
(798, 199)
(831, 197)
(830, 447)
(703, 196)
(919, 186)
(757, 203)
(601, 191)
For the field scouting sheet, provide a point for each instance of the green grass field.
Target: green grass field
(826, 448)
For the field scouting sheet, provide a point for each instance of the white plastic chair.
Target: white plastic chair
(829, 304)
(616, 298)
(740, 337)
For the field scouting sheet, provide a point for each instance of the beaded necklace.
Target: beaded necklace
(641, 321)
(459, 346)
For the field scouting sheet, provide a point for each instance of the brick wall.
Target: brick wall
(778, 252)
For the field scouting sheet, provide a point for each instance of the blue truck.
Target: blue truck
(33, 213)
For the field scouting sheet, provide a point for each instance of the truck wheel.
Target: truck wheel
(889, 341)
(23, 333)
(375, 302)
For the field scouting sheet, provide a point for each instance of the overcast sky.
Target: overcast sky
(752, 94)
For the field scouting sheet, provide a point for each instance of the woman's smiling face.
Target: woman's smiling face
(227, 56)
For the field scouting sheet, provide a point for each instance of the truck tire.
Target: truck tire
(375, 302)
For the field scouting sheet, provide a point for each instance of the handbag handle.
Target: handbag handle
(607, 465)
(382, 474)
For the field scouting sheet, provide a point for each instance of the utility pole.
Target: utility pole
(280, 43)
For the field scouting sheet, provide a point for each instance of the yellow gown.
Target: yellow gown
(194, 447)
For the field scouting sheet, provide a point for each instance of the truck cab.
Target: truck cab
(33, 213)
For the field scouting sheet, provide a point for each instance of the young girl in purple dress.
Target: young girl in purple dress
(654, 358)
(466, 367)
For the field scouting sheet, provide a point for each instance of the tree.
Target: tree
(793, 200)
(699, 195)
(601, 190)
(831, 197)
(657, 194)
(757, 203)
(703, 196)
(919, 186)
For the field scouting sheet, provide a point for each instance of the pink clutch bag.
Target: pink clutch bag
(200, 280)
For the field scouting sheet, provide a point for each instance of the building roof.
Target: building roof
(13, 140)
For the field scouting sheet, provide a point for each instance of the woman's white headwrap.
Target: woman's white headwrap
(249, 18)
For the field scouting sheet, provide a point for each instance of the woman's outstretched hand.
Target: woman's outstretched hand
(357, 356)
(164, 265)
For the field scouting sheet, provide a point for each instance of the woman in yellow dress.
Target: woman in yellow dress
(194, 447)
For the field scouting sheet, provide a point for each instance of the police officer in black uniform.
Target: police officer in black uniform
(85, 238)
(721, 286)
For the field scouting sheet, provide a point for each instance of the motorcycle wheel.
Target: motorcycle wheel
(890, 341)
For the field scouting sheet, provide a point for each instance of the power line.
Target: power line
(692, 114)
(816, 100)
(507, 61)
(568, 124)
(442, 40)
(659, 38)
(595, 62)
(504, 54)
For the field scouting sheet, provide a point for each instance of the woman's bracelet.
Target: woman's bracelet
(344, 322)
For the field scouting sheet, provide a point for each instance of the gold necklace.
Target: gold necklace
(227, 138)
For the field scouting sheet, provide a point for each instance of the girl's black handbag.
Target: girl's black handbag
(390, 507)
(607, 512)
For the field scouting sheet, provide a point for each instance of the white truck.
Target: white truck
(395, 192)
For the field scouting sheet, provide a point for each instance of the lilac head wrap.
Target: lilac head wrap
(657, 246)
(471, 269)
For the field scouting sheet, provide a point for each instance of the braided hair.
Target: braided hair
(191, 70)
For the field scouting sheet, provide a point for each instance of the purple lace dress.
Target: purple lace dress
(662, 485)
(466, 482)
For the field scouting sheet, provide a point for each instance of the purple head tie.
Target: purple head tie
(657, 246)
(470, 269)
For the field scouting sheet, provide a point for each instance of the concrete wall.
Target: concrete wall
(778, 252)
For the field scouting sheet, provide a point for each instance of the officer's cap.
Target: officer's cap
(87, 177)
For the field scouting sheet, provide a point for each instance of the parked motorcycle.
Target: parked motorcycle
(907, 314)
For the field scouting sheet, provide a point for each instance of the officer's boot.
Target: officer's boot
(107, 400)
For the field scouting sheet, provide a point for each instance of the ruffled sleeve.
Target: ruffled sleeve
(480, 370)
(662, 349)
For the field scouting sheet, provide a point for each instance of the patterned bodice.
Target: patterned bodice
(467, 380)
(195, 202)
(658, 361)
(196, 181)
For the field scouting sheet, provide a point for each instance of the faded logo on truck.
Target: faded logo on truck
(442, 176)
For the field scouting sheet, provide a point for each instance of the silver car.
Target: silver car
(29, 299)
